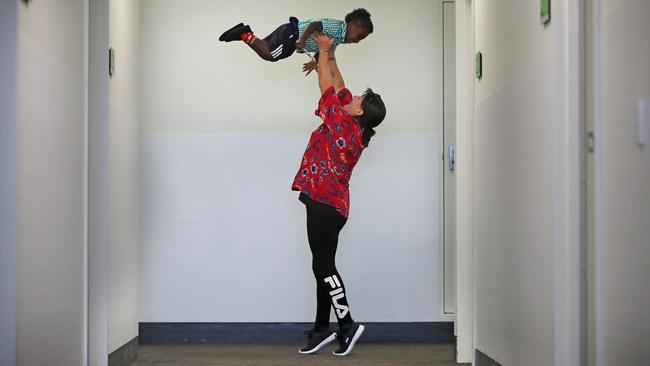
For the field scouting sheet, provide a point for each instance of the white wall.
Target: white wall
(223, 134)
(192, 83)
(622, 189)
(123, 175)
(526, 175)
(50, 181)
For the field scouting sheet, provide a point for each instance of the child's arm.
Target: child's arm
(311, 28)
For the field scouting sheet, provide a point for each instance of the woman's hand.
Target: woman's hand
(323, 41)
(332, 53)
(324, 72)
(309, 67)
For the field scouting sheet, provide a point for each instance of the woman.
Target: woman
(333, 151)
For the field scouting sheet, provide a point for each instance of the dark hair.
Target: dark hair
(362, 17)
(374, 112)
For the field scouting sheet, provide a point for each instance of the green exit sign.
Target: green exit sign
(545, 11)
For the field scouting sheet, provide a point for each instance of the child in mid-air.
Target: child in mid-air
(297, 35)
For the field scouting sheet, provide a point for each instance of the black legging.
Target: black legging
(323, 232)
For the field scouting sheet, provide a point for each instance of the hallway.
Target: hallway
(149, 213)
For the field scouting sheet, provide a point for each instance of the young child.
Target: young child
(297, 34)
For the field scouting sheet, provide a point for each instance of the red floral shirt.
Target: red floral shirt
(333, 151)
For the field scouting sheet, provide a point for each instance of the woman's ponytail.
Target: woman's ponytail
(374, 112)
(368, 133)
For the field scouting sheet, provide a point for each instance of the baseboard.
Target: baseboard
(484, 360)
(196, 333)
(125, 355)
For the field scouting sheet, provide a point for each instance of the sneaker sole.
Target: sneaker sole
(356, 336)
(322, 344)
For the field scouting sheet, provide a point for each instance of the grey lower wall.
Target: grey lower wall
(197, 333)
(218, 207)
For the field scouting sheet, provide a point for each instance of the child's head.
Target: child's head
(359, 25)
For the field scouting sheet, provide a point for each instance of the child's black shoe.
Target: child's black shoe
(317, 340)
(348, 339)
(234, 34)
(233, 28)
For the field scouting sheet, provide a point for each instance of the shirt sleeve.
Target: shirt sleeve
(330, 109)
(345, 96)
(334, 28)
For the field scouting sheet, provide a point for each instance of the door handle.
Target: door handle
(452, 157)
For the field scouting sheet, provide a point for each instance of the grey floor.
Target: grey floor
(375, 354)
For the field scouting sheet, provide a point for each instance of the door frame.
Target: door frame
(569, 253)
(464, 181)
(8, 174)
(97, 93)
(592, 171)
